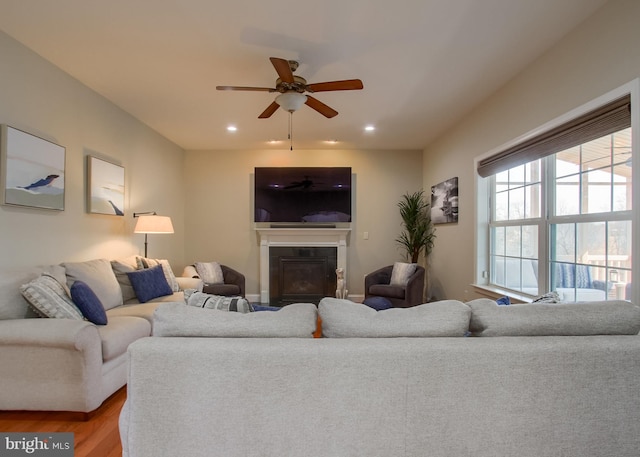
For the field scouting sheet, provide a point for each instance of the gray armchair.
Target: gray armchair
(377, 284)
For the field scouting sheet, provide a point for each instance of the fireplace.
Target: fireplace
(302, 270)
(301, 274)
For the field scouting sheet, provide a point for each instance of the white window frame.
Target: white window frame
(483, 194)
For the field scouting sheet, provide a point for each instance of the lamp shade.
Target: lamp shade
(153, 224)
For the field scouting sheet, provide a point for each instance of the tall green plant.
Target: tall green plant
(418, 232)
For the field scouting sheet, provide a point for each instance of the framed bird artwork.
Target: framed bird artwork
(32, 170)
(105, 187)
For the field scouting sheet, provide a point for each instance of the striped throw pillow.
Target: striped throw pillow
(49, 299)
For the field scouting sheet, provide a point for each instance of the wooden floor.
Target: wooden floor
(97, 436)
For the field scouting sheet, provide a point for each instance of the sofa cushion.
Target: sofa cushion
(346, 319)
(298, 320)
(149, 283)
(119, 333)
(88, 303)
(99, 276)
(13, 305)
(210, 272)
(223, 303)
(561, 319)
(120, 268)
(49, 298)
(401, 273)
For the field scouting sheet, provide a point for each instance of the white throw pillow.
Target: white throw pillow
(402, 272)
(210, 272)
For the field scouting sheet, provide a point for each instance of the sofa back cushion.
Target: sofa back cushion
(559, 319)
(298, 320)
(346, 319)
(12, 304)
(99, 276)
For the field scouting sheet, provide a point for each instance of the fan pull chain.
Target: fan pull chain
(291, 130)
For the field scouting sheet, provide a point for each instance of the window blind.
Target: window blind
(602, 121)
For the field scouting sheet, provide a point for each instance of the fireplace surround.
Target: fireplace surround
(274, 237)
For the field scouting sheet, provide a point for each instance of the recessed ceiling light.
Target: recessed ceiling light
(232, 128)
(369, 128)
(274, 141)
(331, 141)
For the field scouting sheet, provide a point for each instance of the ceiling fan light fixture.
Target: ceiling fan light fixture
(291, 101)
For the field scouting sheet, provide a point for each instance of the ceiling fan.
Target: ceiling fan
(293, 87)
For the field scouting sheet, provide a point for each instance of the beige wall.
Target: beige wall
(219, 205)
(37, 97)
(599, 56)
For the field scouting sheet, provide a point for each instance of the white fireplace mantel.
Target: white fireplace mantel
(299, 237)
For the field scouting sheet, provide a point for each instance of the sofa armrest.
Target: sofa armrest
(54, 333)
(50, 364)
(189, 283)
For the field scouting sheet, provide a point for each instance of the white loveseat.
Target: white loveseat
(71, 364)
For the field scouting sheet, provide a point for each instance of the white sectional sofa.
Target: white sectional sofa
(71, 364)
(530, 381)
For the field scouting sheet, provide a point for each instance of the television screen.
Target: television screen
(303, 194)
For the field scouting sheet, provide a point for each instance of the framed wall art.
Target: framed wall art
(444, 202)
(32, 170)
(105, 187)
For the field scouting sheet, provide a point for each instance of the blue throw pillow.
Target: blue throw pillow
(266, 308)
(503, 300)
(149, 283)
(88, 303)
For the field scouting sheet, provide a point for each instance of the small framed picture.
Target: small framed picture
(32, 170)
(444, 202)
(105, 187)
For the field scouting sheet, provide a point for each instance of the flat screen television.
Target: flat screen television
(302, 194)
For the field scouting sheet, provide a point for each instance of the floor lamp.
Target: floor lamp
(150, 222)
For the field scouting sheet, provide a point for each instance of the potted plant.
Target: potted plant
(418, 232)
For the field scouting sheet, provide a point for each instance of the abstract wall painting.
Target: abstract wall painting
(32, 170)
(444, 202)
(105, 187)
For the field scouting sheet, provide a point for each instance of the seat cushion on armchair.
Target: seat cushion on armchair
(222, 289)
(387, 290)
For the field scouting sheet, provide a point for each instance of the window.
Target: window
(561, 215)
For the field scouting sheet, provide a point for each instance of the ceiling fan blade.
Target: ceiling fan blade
(347, 84)
(320, 107)
(256, 89)
(272, 108)
(283, 69)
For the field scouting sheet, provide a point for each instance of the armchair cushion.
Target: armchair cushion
(387, 290)
(210, 272)
(401, 273)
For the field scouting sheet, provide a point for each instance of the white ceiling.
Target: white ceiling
(424, 63)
